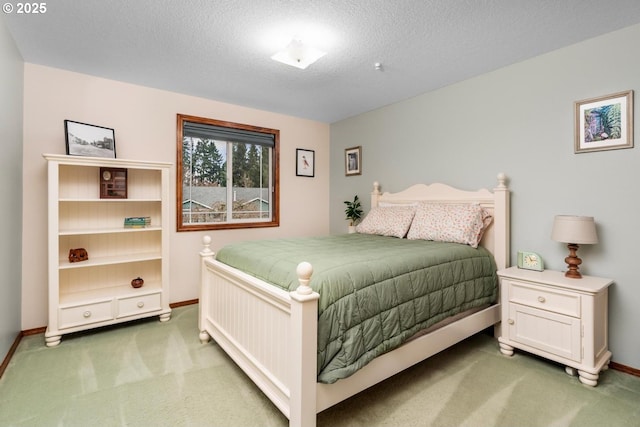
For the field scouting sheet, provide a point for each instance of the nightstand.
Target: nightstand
(558, 318)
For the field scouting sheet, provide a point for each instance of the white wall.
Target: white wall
(144, 120)
(11, 72)
(519, 120)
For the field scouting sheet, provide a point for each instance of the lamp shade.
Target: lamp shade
(574, 229)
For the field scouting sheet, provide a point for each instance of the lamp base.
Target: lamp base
(573, 262)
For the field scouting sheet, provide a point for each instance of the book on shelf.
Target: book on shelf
(137, 222)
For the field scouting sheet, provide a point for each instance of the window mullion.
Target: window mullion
(230, 183)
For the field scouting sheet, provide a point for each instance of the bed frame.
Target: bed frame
(271, 334)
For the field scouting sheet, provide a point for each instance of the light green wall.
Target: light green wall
(11, 78)
(519, 120)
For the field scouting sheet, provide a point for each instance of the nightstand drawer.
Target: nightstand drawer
(544, 298)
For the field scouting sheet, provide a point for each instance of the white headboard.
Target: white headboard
(496, 237)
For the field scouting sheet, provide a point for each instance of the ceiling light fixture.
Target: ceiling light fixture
(298, 54)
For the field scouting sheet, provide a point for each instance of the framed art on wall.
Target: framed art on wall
(83, 139)
(305, 162)
(604, 123)
(353, 161)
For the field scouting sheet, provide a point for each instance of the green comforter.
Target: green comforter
(375, 292)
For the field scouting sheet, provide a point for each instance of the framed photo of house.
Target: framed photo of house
(83, 139)
(305, 162)
(353, 161)
(604, 123)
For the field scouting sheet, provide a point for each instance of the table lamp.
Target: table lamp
(574, 230)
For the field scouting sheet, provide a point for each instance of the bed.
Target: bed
(272, 332)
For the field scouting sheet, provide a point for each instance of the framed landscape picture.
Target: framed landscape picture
(83, 139)
(604, 123)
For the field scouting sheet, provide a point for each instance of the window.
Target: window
(227, 175)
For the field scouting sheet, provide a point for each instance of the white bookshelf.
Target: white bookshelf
(98, 292)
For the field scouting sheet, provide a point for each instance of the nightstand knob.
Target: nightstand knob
(511, 322)
(87, 314)
(140, 304)
(541, 299)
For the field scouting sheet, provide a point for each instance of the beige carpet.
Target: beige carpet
(149, 373)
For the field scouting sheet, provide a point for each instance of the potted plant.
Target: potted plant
(353, 213)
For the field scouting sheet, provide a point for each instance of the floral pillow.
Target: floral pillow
(387, 221)
(450, 222)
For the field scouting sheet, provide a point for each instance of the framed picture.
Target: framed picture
(89, 140)
(604, 123)
(353, 161)
(305, 162)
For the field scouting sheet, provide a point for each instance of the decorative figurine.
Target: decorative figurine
(77, 255)
(137, 282)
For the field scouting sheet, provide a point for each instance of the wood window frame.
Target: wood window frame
(275, 177)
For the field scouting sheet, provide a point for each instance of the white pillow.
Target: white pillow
(387, 221)
(450, 222)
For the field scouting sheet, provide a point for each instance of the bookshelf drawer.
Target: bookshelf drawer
(131, 306)
(85, 314)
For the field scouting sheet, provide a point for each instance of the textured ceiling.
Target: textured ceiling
(221, 49)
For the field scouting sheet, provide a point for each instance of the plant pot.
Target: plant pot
(352, 229)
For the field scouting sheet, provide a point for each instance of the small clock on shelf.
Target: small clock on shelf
(113, 183)
(530, 261)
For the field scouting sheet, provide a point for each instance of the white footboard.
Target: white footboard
(270, 333)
